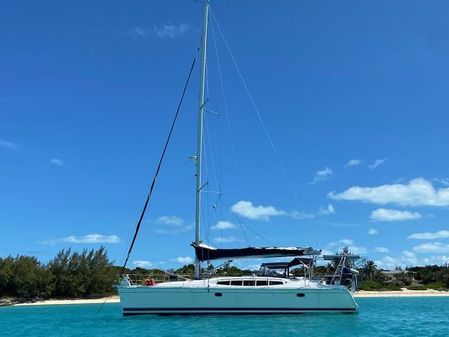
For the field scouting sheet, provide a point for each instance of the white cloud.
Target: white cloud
(346, 242)
(353, 162)
(57, 162)
(170, 220)
(143, 264)
(171, 31)
(327, 252)
(173, 225)
(444, 181)
(381, 250)
(139, 33)
(383, 214)
(377, 163)
(248, 210)
(89, 238)
(184, 260)
(298, 215)
(438, 259)
(429, 236)
(340, 244)
(92, 238)
(373, 231)
(321, 175)
(358, 250)
(408, 254)
(328, 210)
(435, 247)
(174, 230)
(223, 225)
(228, 239)
(168, 30)
(409, 257)
(4, 144)
(418, 192)
(387, 262)
(389, 259)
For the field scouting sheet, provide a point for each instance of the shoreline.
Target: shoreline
(109, 299)
(404, 292)
(359, 294)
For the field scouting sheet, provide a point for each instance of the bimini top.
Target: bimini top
(288, 264)
(205, 253)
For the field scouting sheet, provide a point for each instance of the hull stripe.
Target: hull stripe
(233, 309)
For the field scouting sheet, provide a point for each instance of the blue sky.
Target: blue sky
(353, 95)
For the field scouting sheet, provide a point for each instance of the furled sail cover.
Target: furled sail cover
(205, 252)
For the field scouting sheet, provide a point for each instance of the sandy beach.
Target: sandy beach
(402, 293)
(115, 299)
(111, 299)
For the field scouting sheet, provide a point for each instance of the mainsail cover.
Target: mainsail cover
(206, 253)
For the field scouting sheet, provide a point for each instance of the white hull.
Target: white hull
(196, 297)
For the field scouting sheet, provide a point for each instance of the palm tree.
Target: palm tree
(369, 269)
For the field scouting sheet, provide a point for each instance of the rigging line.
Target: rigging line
(212, 163)
(211, 160)
(205, 229)
(248, 227)
(225, 104)
(205, 211)
(252, 230)
(242, 227)
(102, 305)
(218, 133)
(153, 183)
(264, 127)
(208, 166)
(206, 78)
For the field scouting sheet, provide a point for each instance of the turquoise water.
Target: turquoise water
(378, 317)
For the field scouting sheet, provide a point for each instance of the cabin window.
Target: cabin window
(223, 283)
(218, 294)
(236, 283)
(262, 283)
(249, 283)
(301, 295)
(276, 283)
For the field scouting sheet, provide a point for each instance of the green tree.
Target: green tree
(59, 268)
(7, 287)
(101, 273)
(369, 270)
(24, 277)
(89, 273)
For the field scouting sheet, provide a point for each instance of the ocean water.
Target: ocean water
(423, 316)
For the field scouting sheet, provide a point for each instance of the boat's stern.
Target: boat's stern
(348, 301)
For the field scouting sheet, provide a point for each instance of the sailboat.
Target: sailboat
(273, 290)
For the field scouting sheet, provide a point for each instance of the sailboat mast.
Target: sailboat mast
(199, 151)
